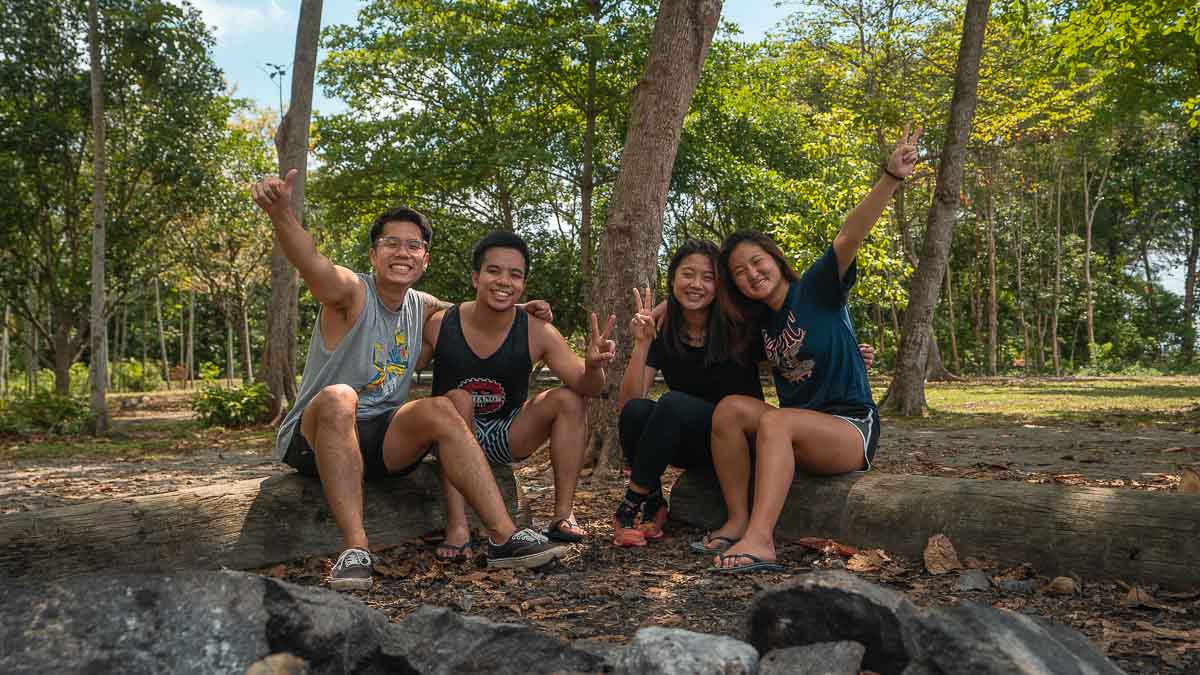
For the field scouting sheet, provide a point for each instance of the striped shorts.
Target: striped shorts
(492, 435)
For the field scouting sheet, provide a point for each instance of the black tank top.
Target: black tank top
(498, 384)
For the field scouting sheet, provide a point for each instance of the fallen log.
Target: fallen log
(240, 525)
(1099, 533)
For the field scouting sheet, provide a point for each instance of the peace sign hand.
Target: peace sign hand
(274, 195)
(641, 326)
(600, 349)
(903, 161)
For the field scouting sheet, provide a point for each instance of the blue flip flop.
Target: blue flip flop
(756, 564)
(702, 545)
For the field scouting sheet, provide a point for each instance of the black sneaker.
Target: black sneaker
(525, 548)
(352, 571)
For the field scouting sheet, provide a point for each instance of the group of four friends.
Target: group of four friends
(353, 420)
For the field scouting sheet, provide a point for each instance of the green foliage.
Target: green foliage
(232, 407)
(132, 375)
(44, 412)
(209, 371)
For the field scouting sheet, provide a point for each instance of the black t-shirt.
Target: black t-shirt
(688, 374)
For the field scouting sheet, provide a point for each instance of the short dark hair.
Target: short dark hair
(401, 214)
(499, 239)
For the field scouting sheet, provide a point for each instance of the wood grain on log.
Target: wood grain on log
(240, 525)
(1099, 533)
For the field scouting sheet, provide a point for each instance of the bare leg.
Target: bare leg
(815, 442)
(735, 422)
(558, 414)
(458, 531)
(435, 419)
(329, 426)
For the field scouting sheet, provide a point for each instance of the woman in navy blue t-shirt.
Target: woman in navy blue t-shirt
(826, 422)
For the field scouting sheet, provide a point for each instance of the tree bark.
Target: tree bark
(4, 356)
(1188, 351)
(1022, 328)
(1100, 533)
(240, 525)
(992, 308)
(906, 394)
(191, 338)
(1055, 355)
(683, 32)
(162, 337)
(30, 356)
(1089, 215)
(229, 359)
(954, 360)
(291, 142)
(99, 346)
(244, 338)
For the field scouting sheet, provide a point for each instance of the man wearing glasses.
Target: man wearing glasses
(352, 419)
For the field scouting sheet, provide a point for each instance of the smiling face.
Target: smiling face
(694, 284)
(756, 274)
(500, 281)
(400, 255)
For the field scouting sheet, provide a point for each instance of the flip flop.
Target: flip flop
(460, 552)
(702, 545)
(756, 564)
(554, 533)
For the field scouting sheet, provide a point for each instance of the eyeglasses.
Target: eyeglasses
(396, 243)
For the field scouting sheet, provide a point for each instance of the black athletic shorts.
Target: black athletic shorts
(371, 431)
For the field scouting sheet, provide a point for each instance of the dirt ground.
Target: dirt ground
(603, 593)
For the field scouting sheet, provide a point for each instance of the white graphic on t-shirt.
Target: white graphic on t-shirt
(784, 352)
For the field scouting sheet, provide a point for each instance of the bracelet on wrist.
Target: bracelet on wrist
(889, 172)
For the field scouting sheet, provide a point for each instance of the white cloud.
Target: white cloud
(231, 19)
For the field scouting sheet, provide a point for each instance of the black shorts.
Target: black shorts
(371, 431)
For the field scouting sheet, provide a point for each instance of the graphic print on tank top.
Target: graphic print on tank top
(786, 352)
(390, 364)
(487, 395)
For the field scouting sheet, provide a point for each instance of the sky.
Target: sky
(253, 33)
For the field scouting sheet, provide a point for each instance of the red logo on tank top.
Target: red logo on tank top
(488, 395)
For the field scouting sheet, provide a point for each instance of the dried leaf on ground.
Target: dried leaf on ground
(1061, 586)
(1192, 635)
(940, 556)
(827, 546)
(1190, 481)
(1180, 449)
(1137, 597)
(867, 561)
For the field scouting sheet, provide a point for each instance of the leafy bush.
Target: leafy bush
(209, 371)
(233, 407)
(129, 375)
(45, 412)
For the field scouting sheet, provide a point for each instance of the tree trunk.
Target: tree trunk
(191, 339)
(1188, 351)
(954, 360)
(1021, 327)
(1098, 532)
(291, 142)
(1054, 351)
(4, 358)
(229, 360)
(683, 32)
(1089, 215)
(145, 332)
(587, 181)
(906, 395)
(99, 346)
(162, 337)
(244, 336)
(992, 309)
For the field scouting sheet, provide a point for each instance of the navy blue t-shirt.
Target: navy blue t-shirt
(812, 347)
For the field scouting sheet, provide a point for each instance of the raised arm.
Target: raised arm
(639, 376)
(332, 285)
(900, 165)
(586, 376)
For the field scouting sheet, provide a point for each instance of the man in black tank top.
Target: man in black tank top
(487, 348)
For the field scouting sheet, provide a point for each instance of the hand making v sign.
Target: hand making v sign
(600, 349)
(641, 326)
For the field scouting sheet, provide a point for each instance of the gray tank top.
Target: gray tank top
(377, 357)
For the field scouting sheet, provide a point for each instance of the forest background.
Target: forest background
(1080, 196)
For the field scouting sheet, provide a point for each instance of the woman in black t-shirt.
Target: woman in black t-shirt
(693, 355)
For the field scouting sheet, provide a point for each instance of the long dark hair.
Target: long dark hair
(716, 348)
(746, 316)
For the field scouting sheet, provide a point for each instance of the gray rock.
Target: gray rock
(200, 622)
(1023, 586)
(438, 641)
(833, 607)
(670, 651)
(821, 658)
(901, 638)
(973, 580)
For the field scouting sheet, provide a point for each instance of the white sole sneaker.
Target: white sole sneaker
(530, 561)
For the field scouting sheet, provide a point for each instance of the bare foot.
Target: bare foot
(732, 557)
